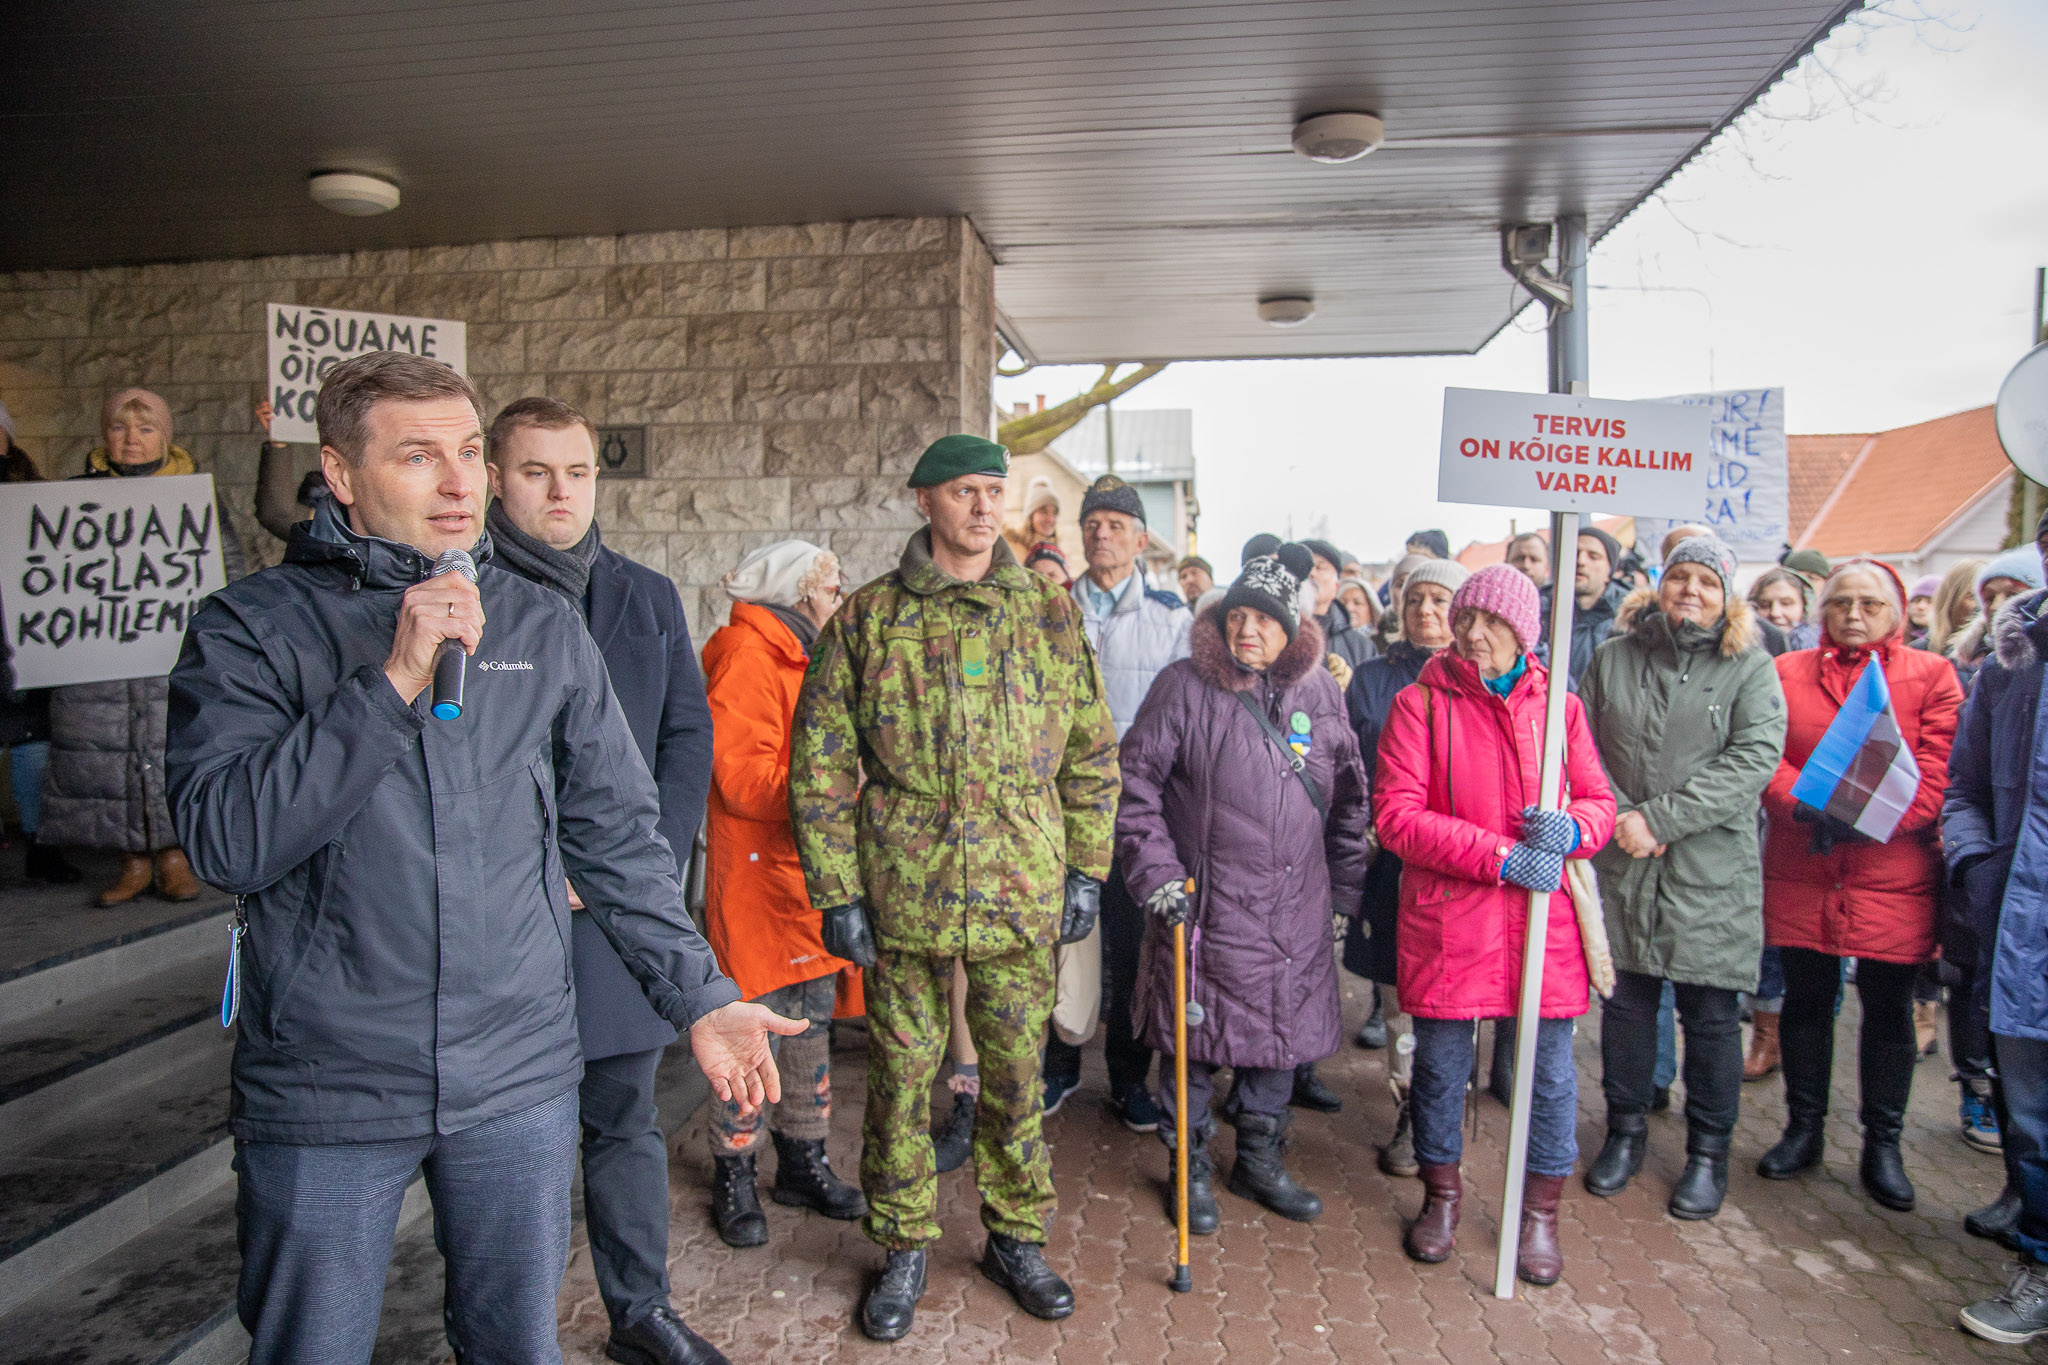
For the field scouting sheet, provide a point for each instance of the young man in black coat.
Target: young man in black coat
(543, 525)
(404, 991)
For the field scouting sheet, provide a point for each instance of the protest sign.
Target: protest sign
(99, 577)
(305, 343)
(1748, 496)
(1569, 453)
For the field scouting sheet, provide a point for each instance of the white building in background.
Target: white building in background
(1152, 450)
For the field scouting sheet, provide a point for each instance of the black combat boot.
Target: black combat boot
(804, 1179)
(891, 1306)
(1260, 1173)
(736, 1204)
(1020, 1268)
(1203, 1215)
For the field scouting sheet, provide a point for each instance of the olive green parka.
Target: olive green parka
(1689, 723)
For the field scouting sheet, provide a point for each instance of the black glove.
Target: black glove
(1827, 830)
(1084, 903)
(848, 934)
(1170, 903)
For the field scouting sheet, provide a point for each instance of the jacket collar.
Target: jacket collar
(1640, 616)
(611, 588)
(773, 631)
(369, 561)
(925, 578)
(1446, 670)
(2018, 634)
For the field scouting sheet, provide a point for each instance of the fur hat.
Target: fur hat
(1272, 584)
(1505, 592)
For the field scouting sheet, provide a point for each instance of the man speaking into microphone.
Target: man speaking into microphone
(405, 986)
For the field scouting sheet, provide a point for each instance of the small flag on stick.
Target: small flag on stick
(1861, 772)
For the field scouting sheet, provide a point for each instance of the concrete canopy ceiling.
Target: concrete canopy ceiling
(1128, 164)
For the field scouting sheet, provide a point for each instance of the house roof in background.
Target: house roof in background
(1903, 487)
(1151, 443)
(1127, 164)
(1815, 466)
(1480, 553)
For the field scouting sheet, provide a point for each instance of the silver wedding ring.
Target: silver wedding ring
(451, 608)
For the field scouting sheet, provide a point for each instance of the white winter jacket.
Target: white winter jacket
(1146, 631)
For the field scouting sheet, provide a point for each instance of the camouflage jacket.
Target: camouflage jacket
(975, 713)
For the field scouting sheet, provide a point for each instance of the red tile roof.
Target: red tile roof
(1816, 465)
(1480, 553)
(1903, 487)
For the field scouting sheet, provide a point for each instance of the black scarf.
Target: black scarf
(566, 571)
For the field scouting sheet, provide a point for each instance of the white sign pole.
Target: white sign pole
(1569, 373)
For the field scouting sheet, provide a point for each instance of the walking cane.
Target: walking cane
(1182, 1282)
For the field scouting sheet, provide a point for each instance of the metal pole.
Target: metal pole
(1182, 1281)
(1568, 374)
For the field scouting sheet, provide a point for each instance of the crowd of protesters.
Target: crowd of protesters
(971, 801)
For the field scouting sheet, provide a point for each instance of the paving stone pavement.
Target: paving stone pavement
(1806, 1271)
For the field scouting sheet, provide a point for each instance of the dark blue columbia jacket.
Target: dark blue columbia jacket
(407, 966)
(1994, 822)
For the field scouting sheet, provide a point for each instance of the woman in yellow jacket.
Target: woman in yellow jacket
(757, 916)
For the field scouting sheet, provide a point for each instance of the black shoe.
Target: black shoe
(1020, 1268)
(1621, 1156)
(890, 1308)
(661, 1338)
(1057, 1088)
(1801, 1147)
(804, 1179)
(47, 865)
(1884, 1174)
(1998, 1220)
(1135, 1107)
(1660, 1099)
(953, 1143)
(1204, 1217)
(735, 1203)
(1311, 1093)
(1260, 1174)
(1372, 1035)
(1704, 1184)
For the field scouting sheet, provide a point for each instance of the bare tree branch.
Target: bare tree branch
(1034, 431)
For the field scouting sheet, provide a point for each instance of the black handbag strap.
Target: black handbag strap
(1294, 760)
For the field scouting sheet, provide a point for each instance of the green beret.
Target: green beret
(951, 456)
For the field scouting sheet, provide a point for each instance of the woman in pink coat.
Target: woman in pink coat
(1456, 800)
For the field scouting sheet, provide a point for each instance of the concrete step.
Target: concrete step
(57, 1065)
(167, 1298)
(128, 1163)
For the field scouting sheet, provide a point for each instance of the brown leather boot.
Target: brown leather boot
(1764, 1056)
(174, 879)
(133, 881)
(1540, 1260)
(1434, 1233)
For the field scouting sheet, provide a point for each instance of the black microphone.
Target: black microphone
(451, 660)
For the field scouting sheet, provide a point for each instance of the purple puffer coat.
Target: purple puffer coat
(1207, 795)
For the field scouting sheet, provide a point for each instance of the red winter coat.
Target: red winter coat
(1863, 899)
(1457, 765)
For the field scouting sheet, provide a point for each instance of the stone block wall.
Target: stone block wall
(788, 376)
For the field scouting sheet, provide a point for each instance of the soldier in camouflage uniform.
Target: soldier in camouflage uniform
(953, 788)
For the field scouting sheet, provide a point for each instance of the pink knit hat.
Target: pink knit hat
(1509, 594)
(156, 406)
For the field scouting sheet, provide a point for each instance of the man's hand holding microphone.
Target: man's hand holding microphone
(444, 607)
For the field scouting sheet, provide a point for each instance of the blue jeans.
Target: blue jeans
(2023, 1071)
(1770, 978)
(315, 1224)
(1443, 1066)
(1667, 1038)
(25, 766)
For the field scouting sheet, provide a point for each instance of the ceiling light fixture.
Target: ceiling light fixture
(1333, 138)
(353, 193)
(1290, 311)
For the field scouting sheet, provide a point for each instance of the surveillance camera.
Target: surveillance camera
(1524, 246)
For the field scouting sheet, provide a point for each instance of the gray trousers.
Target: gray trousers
(315, 1225)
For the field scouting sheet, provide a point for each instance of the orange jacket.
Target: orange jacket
(756, 913)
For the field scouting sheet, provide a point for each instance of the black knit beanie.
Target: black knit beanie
(1271, 584)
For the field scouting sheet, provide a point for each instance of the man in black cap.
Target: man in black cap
(1349, 640)
(1597, 595)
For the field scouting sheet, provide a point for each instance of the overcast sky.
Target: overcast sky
(1866, 239)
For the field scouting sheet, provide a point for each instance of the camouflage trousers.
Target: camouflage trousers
(1008, 1001)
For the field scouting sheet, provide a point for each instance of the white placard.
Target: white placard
(1567, 453)
(99, 577)
(306, 342)
(1748, 502)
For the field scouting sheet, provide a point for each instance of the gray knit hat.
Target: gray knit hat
(1708, 551)
(1448, 574)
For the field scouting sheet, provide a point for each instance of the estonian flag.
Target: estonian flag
(1861, 772)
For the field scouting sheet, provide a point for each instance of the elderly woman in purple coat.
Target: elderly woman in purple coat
(1245, 814)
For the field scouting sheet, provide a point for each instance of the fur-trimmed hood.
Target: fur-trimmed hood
(1740, 633)
(1217, 667)
(2012, 631)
